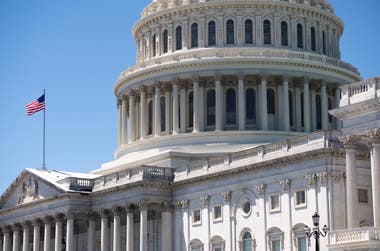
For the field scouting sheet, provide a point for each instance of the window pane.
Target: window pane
(267, 32)
(299, 36)
(197, 216)
(211, 33)
(313, 39)
(217, 212)
(194, 35)
(248, 32)
(163, 114)
(154, 45)
(230, 32)
(250, 107)
(275, 202)
(301, 244)
(318, 106)
(150, 117)
(271, 104)
(178, 36)
(191, 109)
(230, 107)
(291, 109)
(276, 245)
(324, 42)
(284, 33)
(300, 197)
(165, 35)
(211, 107)
(247, 245)
(363, 195)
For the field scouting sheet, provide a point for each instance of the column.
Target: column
(186, 223)
(119, 122)
(313, 110)
(306, 105)
(16, 238)
(166, 228)
(157, 110)
(36, 235)
(264, 111)
(25, 237)
(350, 143)
(196, 105)
(337, 101)
(375, 173)
(132, 116)
(201, 107)
(227, 214)
(116, 229)
(6, 239)
(218, 104)
(241, 103)
(182, 104)
(143, 112)
(58, 234)
(47, 233)
(70, 232)
(175, 109)
(124, 121)
(167, 110)
(143, 227)
(298, 109)
(130, 229)
(104, 230)
(324, 106)
(285, 86)
(91, 231)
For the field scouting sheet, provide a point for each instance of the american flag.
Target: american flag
(35, 106)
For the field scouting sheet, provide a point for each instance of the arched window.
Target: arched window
(324, 42)
(271, 102)
(194, 35)
(275, 239)
(250, 107)
(247, 243)
(248, 31)
(299, 36)
(291, 113)
(165, 38)
(318, 107)
(216, 243)
(196, 245)
(191, 109)
(178, 38)
(163, 115)
(230, 107)
(267, 32)
(210, 108)
(284, 33)
(211, 33)
(313, 39)
(230, 31)
(154, 45)
(150, 117)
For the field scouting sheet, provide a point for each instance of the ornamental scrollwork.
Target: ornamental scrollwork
(311, 179)
(260, 189)
(285, 184)
(350, 141)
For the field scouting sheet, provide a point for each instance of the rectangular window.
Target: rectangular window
(363, 195)
(275, 203)
(217, 213)
(276, 245)
(301, 244)
(196, 216)
(300, 198)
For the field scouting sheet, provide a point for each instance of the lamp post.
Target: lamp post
(315, 231)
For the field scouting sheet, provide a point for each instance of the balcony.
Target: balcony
(364, 238)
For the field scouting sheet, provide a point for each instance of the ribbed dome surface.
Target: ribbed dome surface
(158, 5)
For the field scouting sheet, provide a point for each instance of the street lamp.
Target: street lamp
(315, 231)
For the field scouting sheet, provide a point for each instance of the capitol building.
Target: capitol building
(237, 123)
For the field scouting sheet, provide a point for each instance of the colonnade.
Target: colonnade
(351, 144)
(150, 117)
(26, 235)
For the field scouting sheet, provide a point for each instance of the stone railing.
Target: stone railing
(355, 235)
(238, 52)
(77, 184)
(360, 91)
(141, 173)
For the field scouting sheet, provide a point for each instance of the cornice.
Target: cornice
(358, 109)
(169, 68)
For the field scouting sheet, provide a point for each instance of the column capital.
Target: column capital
(306, 80)
(285, 78)
(166, 206)
(129, 208)
(217, 77)
(58, 217)
(264, 77)
(131, 93)
(16, 227)
(205, 199)
(241, 76)
(47, 219)
(5, 228)
(285, 184)
(124, 97)
(26, 225)
(350, 141)
(227, 196)
(185, 204)
(143, 205)
(70, 215)
(195, 79)
(117, 210)
(142, 88)
(157, 85)
(311, 179)
(36, 222)
(323, 82)
(104, 213)
(374, 137)
(260, 189)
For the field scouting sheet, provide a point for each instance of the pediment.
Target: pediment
(27, 188)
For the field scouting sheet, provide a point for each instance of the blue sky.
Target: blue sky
(75, 50)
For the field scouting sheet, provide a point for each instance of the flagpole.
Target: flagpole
(43, 150)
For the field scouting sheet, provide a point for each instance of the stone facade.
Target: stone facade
(225, 141)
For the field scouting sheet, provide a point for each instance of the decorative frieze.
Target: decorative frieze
(29, 190)
(350, 141)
